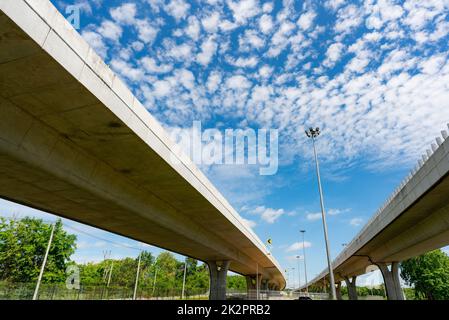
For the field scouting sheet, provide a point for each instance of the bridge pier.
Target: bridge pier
(391, 280)
(251, 286)
(352, 288)
(218, 271)
(264, 286)
(338, 290)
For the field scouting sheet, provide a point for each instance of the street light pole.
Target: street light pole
(305, 264)
(313, 133)
(155, 275)
(137, 277)
(299, 273)
(44, 262)
(184, 279)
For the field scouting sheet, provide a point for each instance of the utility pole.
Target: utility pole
(137, 277)
(305, 264)
(313, 133)
(184, 279)
(39, 279)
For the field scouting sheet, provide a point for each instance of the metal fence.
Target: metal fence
(24, 291)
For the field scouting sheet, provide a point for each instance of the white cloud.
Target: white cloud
(151, 66)
(178, 9)
(213, 81)
(334, 4)
(313, 216)
(305, 22)
(266, 23)
(348, 18)
(355, 222)
(334, 212)
(241, 62)
(208, 49)
(244, 9)
(249, 40)
(110, 30)
(419, 14)
(127, 70)
(238, 82)
(333, 54)
(211, 22)
(146, 32)
(267, 7)
(193, 29)
(161, 88)
(298, 246)
(227, 25)
(433, 65)
(265, 71)
(269, 215)
(125, 13)
(182, 52)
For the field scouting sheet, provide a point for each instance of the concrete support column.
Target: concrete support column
(251, 286)
(264, 286)
(352, 288)
(338, 290)
(218, 271)
(391, 280)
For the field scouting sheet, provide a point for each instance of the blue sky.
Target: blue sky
(374, 75)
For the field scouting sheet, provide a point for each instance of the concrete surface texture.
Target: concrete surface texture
(75, 142)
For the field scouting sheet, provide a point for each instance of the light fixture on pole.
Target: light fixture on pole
(313, 133)
(305, 265)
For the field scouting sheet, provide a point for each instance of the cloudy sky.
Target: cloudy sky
(373, 75)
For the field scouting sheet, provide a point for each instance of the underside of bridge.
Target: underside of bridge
(75, 142)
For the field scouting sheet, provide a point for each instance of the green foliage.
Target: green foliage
(428, 274)
(236, 283)
(410, 294)
(22, 248)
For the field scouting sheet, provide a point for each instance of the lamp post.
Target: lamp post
(184, 279)
(313, 133)
(155, 275)
(44, 262)
(299, 273)
(305, 265)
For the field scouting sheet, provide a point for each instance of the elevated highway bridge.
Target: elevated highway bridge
(413, 221)
(74, 141)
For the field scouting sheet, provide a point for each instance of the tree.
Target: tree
(429, 274)
(22, 248)
(236, 282)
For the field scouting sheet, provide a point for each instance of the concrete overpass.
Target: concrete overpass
(74, 141)
(414, 220)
